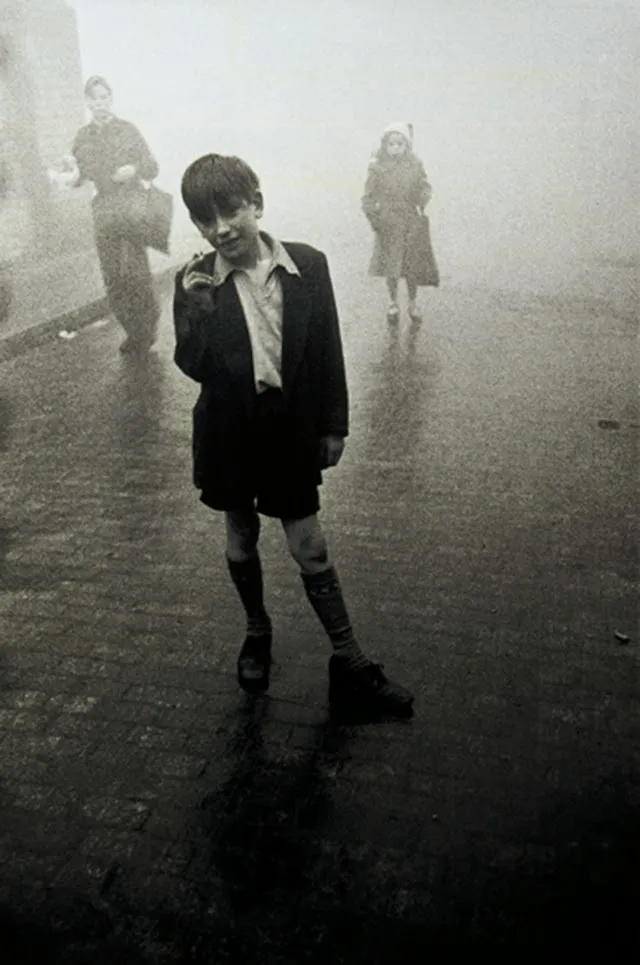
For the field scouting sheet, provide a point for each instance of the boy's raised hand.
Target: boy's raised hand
(194, 279)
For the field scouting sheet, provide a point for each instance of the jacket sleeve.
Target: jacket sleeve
(146, 164)
(370, 200)
(191, 315)
(334, 401)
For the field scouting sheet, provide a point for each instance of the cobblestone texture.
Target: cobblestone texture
(484, 526)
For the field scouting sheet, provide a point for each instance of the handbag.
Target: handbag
(420, 262)
(157, 218)
(143, 214)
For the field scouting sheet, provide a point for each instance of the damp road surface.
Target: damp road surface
(483, 522)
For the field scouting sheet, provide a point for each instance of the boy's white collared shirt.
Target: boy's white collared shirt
(260, 294)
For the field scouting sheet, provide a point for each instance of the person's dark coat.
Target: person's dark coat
(117, 217)
(213, 348)
(396, 191)
(101, 149)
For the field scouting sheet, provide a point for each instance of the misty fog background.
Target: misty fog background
(525, 115)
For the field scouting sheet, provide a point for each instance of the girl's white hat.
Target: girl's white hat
(400, 127)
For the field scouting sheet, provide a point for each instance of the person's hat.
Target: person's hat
(400, 127)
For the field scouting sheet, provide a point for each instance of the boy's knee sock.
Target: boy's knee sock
(325, 595)
(247, 577)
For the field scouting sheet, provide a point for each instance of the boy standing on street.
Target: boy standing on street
(257, 326)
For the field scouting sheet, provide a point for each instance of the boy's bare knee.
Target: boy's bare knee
(307, 544)
(243, 530)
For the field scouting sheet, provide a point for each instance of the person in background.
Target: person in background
(396, 193)
(257, 326)
(112, 153)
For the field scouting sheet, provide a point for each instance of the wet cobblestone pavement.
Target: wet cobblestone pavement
(484, 525)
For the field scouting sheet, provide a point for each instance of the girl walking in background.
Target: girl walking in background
(396, 193)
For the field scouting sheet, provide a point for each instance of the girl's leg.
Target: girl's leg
(412, 290)
(353, 676)
(243, 560)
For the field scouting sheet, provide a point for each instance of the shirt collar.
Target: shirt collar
(105, 123)
(280, 258)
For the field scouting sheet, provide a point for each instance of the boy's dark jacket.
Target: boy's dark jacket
(213, 348)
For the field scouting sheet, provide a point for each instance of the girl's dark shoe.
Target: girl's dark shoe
(254, 663)
(367, 691)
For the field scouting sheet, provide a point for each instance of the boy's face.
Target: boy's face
(234, 232)
(396, 145)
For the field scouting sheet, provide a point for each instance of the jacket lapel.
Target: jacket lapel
(296, 311)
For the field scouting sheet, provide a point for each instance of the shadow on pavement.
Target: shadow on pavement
(138, 463)
(288, 903)
(139, 400)
(275, 884)
(71, 932)
(267, 826)
(401, 405)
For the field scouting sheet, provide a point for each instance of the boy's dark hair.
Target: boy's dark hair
(217, 182)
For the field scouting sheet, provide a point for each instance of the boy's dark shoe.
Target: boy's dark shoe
(367, 691)
(254, 664)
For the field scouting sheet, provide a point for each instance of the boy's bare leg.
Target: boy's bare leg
(307, 544)
(243, 531)
(354, 675)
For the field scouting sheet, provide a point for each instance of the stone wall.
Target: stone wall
(47, 255)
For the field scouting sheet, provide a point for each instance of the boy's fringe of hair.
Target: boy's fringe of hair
(217, 182)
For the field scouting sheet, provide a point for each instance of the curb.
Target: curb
(11, 346)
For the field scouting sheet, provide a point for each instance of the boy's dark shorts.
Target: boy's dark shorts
(271, 484)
